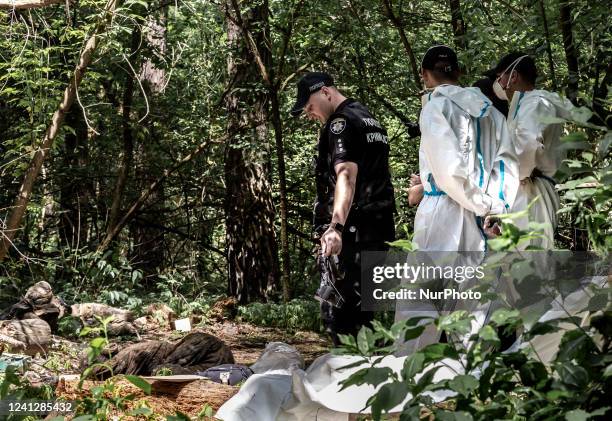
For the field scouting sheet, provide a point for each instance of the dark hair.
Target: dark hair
(442, 61)
(445, 70)
(486, 87)
(526, 66)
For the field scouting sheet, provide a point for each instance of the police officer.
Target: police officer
(355, 199)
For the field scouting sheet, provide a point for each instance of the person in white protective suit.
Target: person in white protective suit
(466, 160)
(536, 141)
(469, 172)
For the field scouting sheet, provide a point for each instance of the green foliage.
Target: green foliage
(292, 316)
(14, 387)
(164, 371)
(106, 398)
(69, 327)
(175, 290)
(140, 383)
(206, 411)
(512, 237)
(495, 384)
(174, 249)
(587, 191)
(175, 246)
(492, 383)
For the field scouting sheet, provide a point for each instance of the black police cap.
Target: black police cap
(309, 84)
(440, 54)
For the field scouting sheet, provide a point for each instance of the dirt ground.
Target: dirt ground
(247, 341)
(61, 366)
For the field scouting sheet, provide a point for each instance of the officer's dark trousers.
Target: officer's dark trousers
(349, 318)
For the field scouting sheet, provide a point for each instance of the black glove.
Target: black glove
(413, 129)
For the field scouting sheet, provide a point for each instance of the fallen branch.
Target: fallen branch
(28, 4)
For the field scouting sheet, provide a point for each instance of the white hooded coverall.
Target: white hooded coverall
(536, 143)
(468, 169)
(467, 166)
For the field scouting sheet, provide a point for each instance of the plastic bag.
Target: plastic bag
(278, 356)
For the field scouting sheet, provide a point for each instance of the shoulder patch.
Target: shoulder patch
(337, 125)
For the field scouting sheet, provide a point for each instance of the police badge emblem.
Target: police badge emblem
(337, 125)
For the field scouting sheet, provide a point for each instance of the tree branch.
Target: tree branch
(70, 94)
(402, 34)
(250, 42)
(287, 37)
(110, 236)
(28, 4)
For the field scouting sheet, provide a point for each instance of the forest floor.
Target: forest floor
(64, 363)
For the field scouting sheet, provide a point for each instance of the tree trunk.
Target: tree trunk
(128, 139)
(571, 53)
(154, 77)
(458, 24)
(149, 252)
(271, 77)
(25, 191)
(600, 91)
(551, 64)
(277, 123)
(249, 211)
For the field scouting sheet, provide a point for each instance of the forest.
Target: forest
(148, 154)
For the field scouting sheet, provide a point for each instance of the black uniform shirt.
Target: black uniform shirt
(351, 134)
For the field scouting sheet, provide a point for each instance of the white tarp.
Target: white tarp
(291, 394)
(314, 394)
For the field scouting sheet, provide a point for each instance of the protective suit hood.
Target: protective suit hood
(467, 167)
(470, 100)
(562, 106)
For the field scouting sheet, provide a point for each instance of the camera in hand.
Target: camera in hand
(331, 276)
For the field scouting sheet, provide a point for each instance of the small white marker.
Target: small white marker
(182, 325)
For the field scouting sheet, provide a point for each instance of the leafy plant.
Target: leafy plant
(292, 316)
(15, 387)
(492, 383)
(587, 190)
(106, 397)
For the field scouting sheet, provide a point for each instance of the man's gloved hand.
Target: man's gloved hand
(416, 190)
(413, 129)
(492, 226)
(331, 242)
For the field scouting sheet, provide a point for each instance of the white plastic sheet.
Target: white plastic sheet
(288, 393)
(314, 394)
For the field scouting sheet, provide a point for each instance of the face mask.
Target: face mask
(497, 88)
(499, 91)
